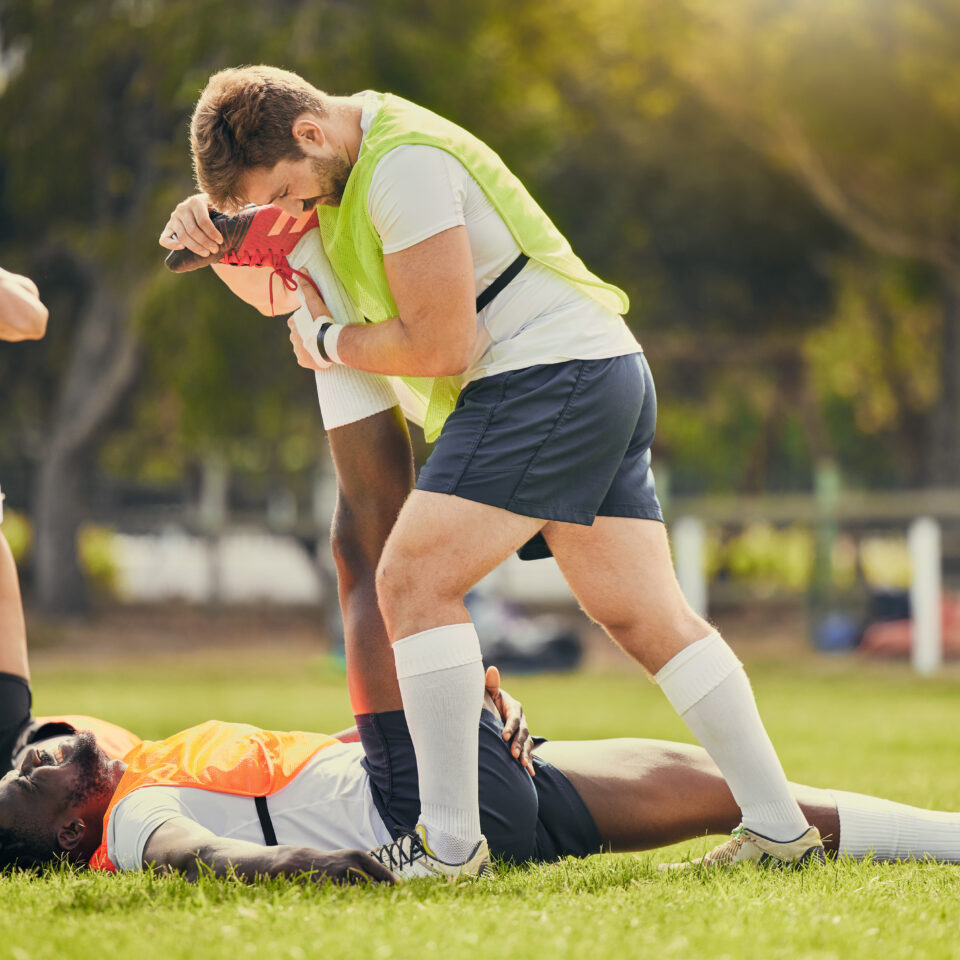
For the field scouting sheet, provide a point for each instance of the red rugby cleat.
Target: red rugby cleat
(254, 237)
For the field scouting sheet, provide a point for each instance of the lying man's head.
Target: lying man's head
(264, 135)
(52, 805)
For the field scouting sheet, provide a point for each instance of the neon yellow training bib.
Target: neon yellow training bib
(356, 251)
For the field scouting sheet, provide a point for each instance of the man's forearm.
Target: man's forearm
(225, 857)
(394, 347)
(183, 846)
(435, 330)
(248, 861)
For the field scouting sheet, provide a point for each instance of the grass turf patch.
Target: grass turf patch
(835, 723)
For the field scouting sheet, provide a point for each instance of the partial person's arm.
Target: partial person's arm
(183, 846)
(22, 313)
(13, 630)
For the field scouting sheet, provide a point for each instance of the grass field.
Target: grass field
(836, 723)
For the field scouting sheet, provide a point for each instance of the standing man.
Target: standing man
(542, 402)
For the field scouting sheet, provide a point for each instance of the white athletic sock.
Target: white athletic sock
(707, 686)
(441, 682)
(895, 831)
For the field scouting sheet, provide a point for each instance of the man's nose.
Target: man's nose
(31, 761)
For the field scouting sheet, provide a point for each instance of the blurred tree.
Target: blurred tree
(95, 101)
(722, 253)
(875, 367)
(860, 102)
(600, 109)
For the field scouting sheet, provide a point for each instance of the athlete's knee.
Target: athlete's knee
(396, 582)
(679, 625)
(411, 580)
(614, 614)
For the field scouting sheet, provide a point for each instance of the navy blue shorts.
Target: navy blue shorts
(560, 441)
(524, 819)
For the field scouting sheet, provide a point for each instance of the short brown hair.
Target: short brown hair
(244, 120)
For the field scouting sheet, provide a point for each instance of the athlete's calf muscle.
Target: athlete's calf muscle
(374, 464)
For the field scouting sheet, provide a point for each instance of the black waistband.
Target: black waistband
(501, 281)
(266, 824)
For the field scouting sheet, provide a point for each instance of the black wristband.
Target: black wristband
(324, 327)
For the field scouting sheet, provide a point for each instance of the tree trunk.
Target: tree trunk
(102, 368)
(943, 446)
(60, 583)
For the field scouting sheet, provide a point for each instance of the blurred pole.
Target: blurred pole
(923, 540)
(689, 541)
(281, 509)
(827, 487)
(214, 491)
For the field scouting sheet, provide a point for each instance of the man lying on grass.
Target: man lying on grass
(260, 803)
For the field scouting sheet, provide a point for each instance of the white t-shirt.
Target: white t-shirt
(418, 191)
(328, 806)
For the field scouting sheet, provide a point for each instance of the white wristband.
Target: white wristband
(308, 328)
(330, 337)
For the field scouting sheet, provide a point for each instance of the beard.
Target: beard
(93, 780)
(333, 173)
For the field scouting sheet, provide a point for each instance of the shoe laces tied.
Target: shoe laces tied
(394, 855)
(279, 263)
(286, 273)
(727, 851)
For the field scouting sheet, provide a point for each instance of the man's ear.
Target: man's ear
(71, 833)
(306, 129)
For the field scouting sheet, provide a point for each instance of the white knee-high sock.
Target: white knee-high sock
(707, 686)
(895, 831)
(441, 682)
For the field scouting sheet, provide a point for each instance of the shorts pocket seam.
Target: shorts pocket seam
(558, 423)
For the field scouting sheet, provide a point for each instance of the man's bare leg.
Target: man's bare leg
(441, 546)
(621, 571)
(13, 630)
(650, 793)
(15, 695)
(374, 465)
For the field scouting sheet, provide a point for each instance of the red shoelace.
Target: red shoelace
(279, 263)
